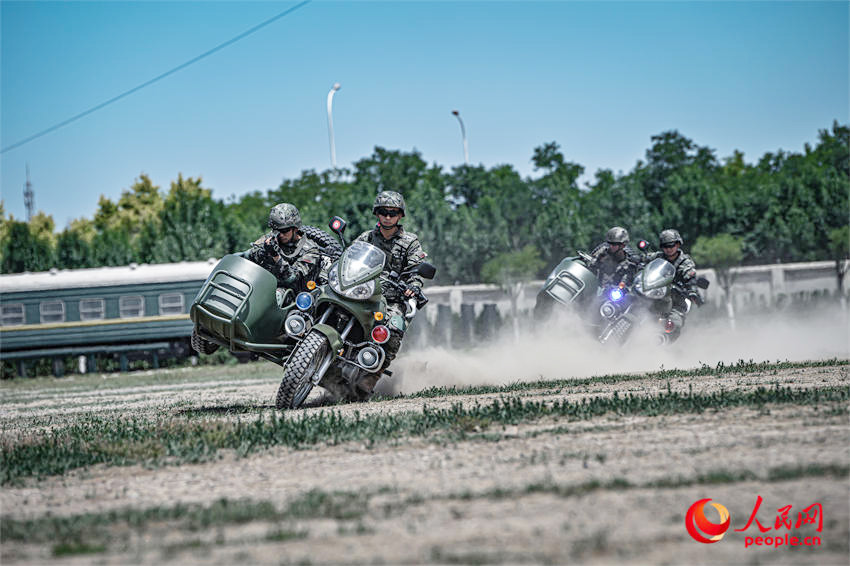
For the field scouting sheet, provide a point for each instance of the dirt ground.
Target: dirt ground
(612, 489)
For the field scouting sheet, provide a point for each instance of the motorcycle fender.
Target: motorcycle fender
(331, 334)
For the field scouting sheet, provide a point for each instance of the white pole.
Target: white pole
(334, 88)
(463, 134)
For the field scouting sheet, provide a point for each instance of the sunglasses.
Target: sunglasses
(388, 212)
(616, 244)
(673, 245)
(287, 230)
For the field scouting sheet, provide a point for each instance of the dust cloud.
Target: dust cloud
(564, 350)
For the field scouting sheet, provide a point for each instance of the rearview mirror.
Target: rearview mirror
(702, 282)
(426, 270)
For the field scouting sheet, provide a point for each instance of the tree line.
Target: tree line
(480, 223)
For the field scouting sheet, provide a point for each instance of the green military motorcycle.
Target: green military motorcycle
(612, 314)
(330, 335)
(342, 325)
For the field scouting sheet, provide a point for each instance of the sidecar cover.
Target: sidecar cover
(570, 282)
(237, 303)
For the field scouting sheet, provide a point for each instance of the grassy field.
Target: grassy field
(195, 465)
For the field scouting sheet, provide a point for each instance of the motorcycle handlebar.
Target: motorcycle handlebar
(421, 299)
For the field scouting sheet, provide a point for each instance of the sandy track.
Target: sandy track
(539, 492)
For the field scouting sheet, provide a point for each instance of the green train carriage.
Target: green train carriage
(127, 311)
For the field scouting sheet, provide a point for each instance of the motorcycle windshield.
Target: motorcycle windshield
(360, 262)
(658, 273)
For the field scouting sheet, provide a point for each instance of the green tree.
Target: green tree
(191, 226)
(722, 252)
(561, 221)
(23, 250)
(511, 270)
(839, 249)
(140, 204)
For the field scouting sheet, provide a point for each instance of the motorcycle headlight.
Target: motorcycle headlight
(657, 293)
(304, 301)
(359, 292)
(295, 325)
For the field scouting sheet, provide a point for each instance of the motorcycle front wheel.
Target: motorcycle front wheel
(298, 372)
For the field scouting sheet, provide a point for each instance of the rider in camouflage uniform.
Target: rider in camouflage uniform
(403, 252)
(286, 252)
(614, 261)
(684, 283)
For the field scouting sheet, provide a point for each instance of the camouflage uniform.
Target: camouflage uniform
(684, 282)
(300, 260)
(609, 269)
(612, 267)
(403, 252)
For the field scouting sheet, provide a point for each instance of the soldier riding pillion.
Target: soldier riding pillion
(286, 252)
(614, 261)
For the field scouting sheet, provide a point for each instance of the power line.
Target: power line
(155, 79)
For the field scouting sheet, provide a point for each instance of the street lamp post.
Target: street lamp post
(334, 88)
(463, 134)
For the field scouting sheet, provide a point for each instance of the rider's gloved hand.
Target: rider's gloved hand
(284, 270)
(270, 247)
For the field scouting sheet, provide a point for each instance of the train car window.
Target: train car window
(171, 303)
(92, 309)
(12, 314)
(52, 311)
(130, 306)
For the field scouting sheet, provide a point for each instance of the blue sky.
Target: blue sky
(598, 78)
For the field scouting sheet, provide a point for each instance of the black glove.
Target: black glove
(695, 297)
(270, 247)
(285, 273)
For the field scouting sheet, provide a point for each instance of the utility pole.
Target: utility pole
(29, 197)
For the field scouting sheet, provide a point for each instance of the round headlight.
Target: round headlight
(361, 292)
(657, 293)
(304, 301)
(295, 325)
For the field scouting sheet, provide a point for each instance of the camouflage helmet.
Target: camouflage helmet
(389, 199)
(284, 215)
(670, 236)
(617, 235)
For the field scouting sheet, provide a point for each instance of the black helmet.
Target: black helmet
(284, 215)
(617, 235)
(389, 199)
(670, 236)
